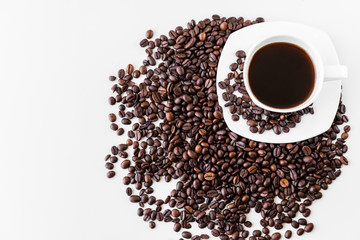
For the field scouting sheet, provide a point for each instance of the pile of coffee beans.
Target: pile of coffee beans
(258, 119)
(178, 134)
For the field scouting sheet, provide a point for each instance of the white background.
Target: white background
(55, 57)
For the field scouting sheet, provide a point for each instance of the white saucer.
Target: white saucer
(325, 106)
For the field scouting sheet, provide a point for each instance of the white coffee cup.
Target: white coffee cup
(322, 72)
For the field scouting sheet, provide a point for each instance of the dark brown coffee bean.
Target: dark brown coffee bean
(120, 131)
(344, 160)
(109, 165)
(152, 224)
(240, 54)
(224, 26)
(134, 198)
(186, 235)
(121, 73)
(112, 101)
(347, 128)
(144, 43)
(276, 129)
(177, 227)
(110, 174)
(288, 234)
(125, 164)
(309, 227)
(275, 236)
(170, 116)
(126, 121)
(251, 123)
(112, 117)
(233, 66)
(235, 118)
(252, 169)
(215, 233)
(344, 135)
(149, 34)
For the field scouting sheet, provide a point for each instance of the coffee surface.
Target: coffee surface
(281, 75)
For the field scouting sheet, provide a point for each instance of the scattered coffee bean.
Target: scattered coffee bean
(129, 68)
(149, 34)
(177, 227)
(125, 164)
(275, 236)
(186, 235)
(114, 126)
(152, 224)
(288, 234)
(134, 198)
(112, 117)
(109, 165)
(347, 128)
(125, 121)
(309, 227)
(110, 174)
(120, 131)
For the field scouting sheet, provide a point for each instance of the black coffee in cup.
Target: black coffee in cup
(281, 75)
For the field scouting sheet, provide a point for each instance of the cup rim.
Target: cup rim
(312, 53)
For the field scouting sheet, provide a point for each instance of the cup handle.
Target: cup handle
(335, 72)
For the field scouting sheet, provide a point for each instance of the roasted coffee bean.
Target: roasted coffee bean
(125, 164)
(112, 101)
(109, 165)
(309, 227)
(112, 117)
(233, 66)
(125, 121)
(275, 236)
(144, 43)
(288, 234)
(134, 198)
(120, 131)
(177, 227)
(186, 235)
(240, 54)
(110, 174)
(252, 169)
(152, 224)
(114, 126)
(149, 34)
